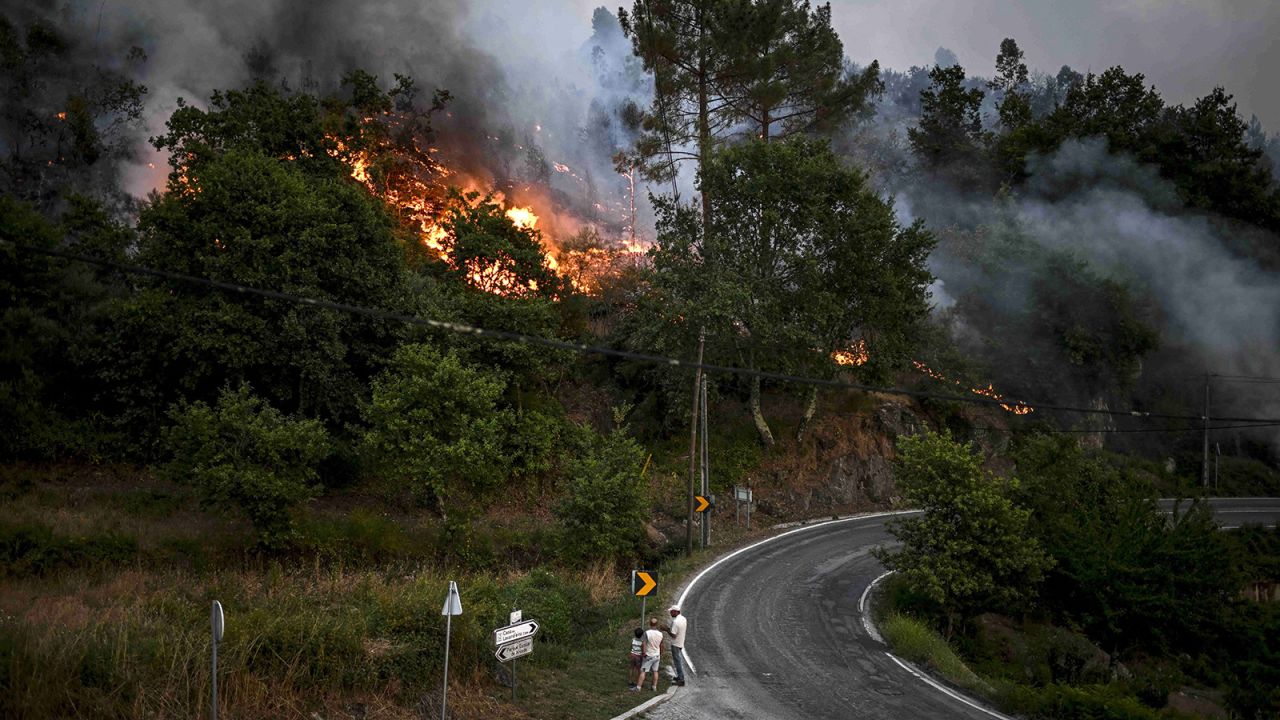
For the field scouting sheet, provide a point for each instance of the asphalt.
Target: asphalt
(776, 631)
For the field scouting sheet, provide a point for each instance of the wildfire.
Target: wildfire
(523, 218)
(412, 182)
(1014, 406)
(855, 355)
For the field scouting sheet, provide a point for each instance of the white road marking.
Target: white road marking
(944, 689)
(862, 608)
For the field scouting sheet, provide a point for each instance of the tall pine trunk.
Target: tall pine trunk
(762, 425)
(810, 408)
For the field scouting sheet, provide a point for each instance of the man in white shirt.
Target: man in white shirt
(652, 652)
(679, 624)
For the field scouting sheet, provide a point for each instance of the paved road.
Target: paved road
(776, 632)
(1234, 512)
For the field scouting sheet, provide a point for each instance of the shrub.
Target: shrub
(245, 455)
(33, 549)
(435, 429)
(603, 511)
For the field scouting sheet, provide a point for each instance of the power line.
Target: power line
(1112, 431)
(508, 336)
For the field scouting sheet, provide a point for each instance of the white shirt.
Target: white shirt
(678, 627)
(652, 643)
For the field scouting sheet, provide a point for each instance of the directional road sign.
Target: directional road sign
(643, 582)
(518, 631)
(513, 650)
(702, 503)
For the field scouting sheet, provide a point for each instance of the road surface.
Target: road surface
(776, 631)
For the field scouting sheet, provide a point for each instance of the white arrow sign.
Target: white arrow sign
(513, 650)
(519, 631)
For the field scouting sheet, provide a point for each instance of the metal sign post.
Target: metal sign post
(643, 583)
(216, 625)
(744, 495)
(514, 641)
(515, 617)
(452, 606)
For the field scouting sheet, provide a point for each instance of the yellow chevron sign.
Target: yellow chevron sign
(702, 503)
(643, 583)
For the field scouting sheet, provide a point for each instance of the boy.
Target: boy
(635, 676)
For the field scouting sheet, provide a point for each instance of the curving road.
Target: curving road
(776, 631)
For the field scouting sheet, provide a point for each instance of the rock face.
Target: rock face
(845, 464)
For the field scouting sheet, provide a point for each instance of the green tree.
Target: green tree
(1126, 574)
(51, 328)
(435, 429)
(244, 455)
(676, 42)
(970, 550)
(1204, 151)
(797, 258)
(256, 198)
(949, 138)
(603, 510)
(784, 69)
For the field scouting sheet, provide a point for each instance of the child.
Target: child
(637, 655)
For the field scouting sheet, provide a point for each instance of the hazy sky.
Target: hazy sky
(1184, 47)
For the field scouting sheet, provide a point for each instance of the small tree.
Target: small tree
(245, 455)
(435, 427)
(970, 550)
(603, 511)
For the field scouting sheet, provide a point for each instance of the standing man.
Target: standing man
(679, 624)
(652, 652)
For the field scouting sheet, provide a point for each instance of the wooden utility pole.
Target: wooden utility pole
(693, 442)
(1204, 470)
(706, 464)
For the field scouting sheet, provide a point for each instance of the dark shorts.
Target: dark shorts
(635, 662)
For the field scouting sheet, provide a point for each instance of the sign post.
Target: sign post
(452, 606)
(515, 617)
(216, 625)
(643, 583)
(514, 641)
(743, 495)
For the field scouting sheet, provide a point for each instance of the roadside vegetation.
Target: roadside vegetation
(1101, 604)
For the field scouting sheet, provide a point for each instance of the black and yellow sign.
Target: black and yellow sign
(701, 503)
(643, 582)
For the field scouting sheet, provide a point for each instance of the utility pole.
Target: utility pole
(706, 466)
(693, 443)
(1204, 470)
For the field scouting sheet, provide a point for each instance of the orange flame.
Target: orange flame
(855, 355)
(1017, 407)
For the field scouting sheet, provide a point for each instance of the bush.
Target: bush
(603, 512)
(32, 549)
(435, 428)
(358, 537)
(245, 455)
(1063, 702)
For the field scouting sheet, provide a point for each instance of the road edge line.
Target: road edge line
(910, 667)
(921, 675)
(647, 704)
